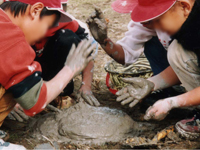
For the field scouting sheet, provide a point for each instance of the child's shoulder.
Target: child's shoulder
(7, 24)
(9, 33)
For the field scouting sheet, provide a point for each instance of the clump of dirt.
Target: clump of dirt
(85, 124)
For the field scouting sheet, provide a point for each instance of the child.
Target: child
(65, 34)
(53, 50)
(138, 39)
(179, 19)
(51, 54)
(23, 23)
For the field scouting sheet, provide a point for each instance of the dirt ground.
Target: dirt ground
(117, 27)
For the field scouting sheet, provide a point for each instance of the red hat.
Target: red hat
(124, 6)
(64, 1)
(146, 10)
(50, 5)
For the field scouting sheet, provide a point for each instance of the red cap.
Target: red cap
(146, 10)
(64, 1)
(124, 6)
(50, 5)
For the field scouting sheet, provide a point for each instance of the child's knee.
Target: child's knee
(173, 54)
(67, 37)
(7, 103)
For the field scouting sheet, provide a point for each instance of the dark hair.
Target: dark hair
(17, 8)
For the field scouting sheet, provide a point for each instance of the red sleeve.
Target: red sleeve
(17, 63)
(21, 75)
(41, 103)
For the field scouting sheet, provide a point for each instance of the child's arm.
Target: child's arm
(21, 75)
(75, 63)
(162, 107)
(86, 89)
(88, 74)
(128, 49)
(132, 94)
(165, 79)
(114, 50)
(191, 98)
(56, 85)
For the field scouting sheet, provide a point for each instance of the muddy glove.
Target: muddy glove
(138, 89)
(97, 25)
(18, 114)
(79, 57)
(87, 95)
(159, 110)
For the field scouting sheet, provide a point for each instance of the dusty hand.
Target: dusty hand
(138, 89)
(98, 25)
(18, 114)
(159, 110)
(87, 95)
(79, 57)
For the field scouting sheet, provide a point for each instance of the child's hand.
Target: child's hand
(18, 114)
(87, 95)
(159, 110)
(79, 57)
(138, 89)
(98, 25)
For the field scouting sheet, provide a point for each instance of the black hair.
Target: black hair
(17, 8)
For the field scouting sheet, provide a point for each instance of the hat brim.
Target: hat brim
(65, 17)
(147, 13)
(121, 6)
(64, 2)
